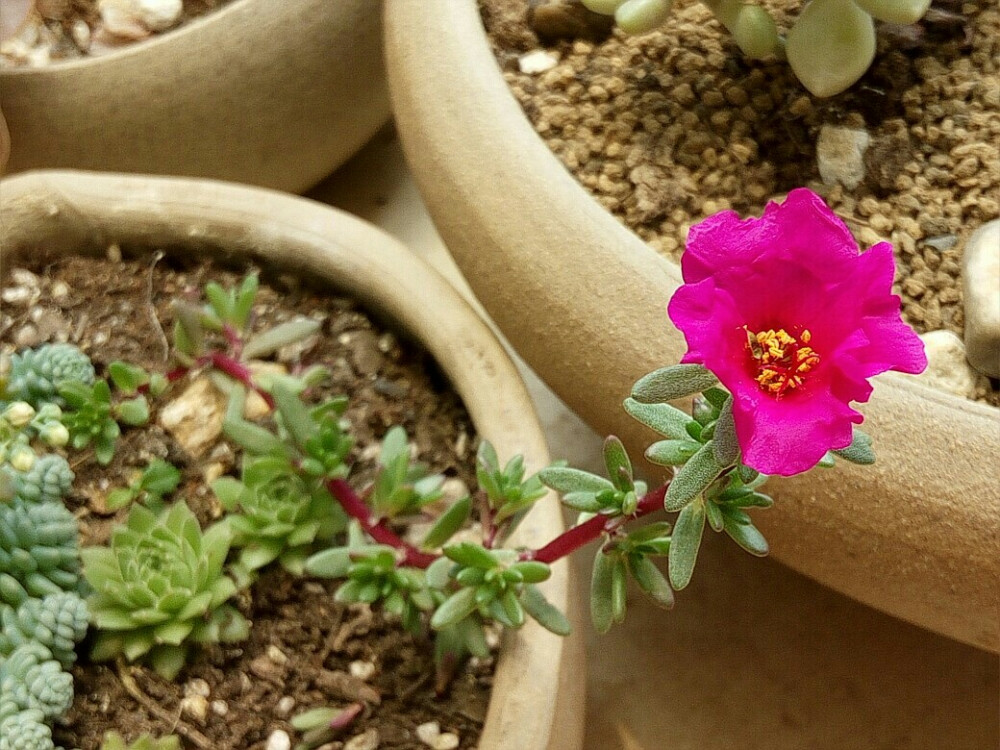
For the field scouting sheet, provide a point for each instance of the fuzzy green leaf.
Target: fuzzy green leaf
(455, 608)
(651, 580)
(565, 480)
(859, 451)
(692, 479)
(727, 447)
(672, 452)
(684, 544)
(473, 555)
(448, 523)
(602, 592)
(544, 612)
(617, 462)
(662, 418)
(747, 536)
(283, 334)
(671, 383)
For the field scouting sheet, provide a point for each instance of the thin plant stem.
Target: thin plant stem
(377, 529)
(572, 539)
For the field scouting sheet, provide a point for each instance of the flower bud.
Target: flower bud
(19, 413)
(54, 434)
(22, 458)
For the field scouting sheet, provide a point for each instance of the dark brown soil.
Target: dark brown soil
(302, 644)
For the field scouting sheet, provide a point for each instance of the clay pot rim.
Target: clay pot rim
(72, 211)
(515, 219)
(149, 45)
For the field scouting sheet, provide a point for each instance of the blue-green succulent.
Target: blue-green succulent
(38, 551)
(48, 480)
(57, 621)
(36, 373)
(24, 730)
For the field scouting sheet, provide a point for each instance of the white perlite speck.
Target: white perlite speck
(537, 61)
(279, 740)
(431, 735)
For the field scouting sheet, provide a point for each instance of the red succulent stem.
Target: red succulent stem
(572, 539)
(376, 528)
(239, 371)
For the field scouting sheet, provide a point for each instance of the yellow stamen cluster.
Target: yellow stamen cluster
(782, 359)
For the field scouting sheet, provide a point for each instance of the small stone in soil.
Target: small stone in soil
(367, 740)
(279, 740)
(981, 273)
(947, 368)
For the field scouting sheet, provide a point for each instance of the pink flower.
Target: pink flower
(793, 321)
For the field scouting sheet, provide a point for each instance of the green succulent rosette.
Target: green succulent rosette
(277, 514)
(159, 588)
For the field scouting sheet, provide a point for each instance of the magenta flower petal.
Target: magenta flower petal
(793, 320)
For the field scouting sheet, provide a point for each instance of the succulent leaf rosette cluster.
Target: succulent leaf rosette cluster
(829, 46)
(160, 587)
(793, 321)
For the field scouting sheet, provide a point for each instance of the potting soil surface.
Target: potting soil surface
(669, 127)
(305, 650)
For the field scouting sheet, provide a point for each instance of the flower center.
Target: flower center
(781, 359)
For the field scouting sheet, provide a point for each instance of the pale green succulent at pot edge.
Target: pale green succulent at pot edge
(33, 680)
(275, 513)
(159, 587)
(58, 622)
(47, 480)
(36, 373)
(24, 730)
(38, 551)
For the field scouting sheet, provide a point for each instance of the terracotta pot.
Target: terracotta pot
(272, 94)
(583, 300)
(537, 701)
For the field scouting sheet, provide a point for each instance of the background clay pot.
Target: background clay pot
(272, 94)
(537, 701)
(583, 300)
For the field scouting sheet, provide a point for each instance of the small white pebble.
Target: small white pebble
(363, 670)
(195, 706)
(428, 732)
(220, 708)
(537, 61)
(279, 740)
(197, 686)
(276, 655)
(59, 290)
(365, 741)
(17, 295)
(24, 277)
(285, 705)
(447, 741)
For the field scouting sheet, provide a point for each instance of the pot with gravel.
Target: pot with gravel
(272, 94)
(259, 650)
(602, 291)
